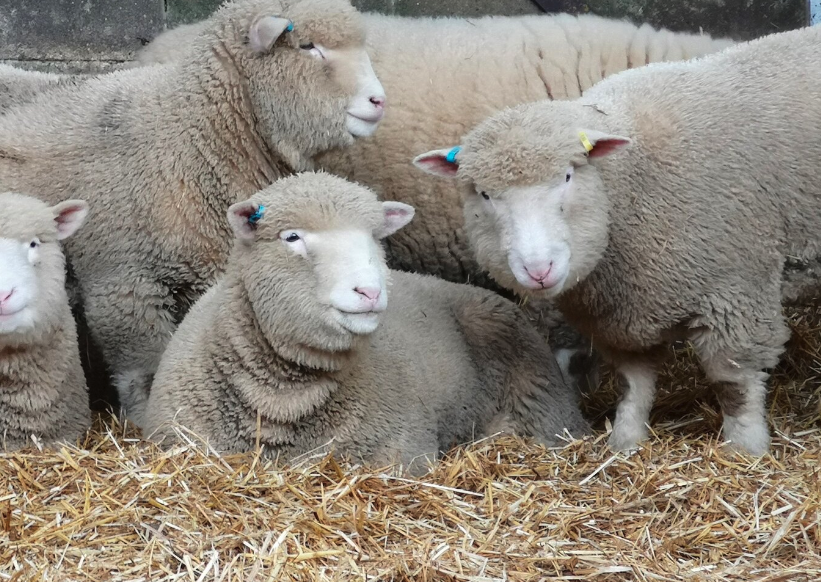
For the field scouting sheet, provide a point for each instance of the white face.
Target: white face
(19, 262)
(537, 239)
(367, 106)
(351, 274)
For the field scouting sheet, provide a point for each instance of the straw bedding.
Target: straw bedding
(681, 508)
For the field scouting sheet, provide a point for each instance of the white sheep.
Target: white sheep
(448, 74)
(683, 235)
(161, 153)
(43, 390)
(296, 344)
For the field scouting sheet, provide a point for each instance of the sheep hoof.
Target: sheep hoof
(625, 439)
(753, 439)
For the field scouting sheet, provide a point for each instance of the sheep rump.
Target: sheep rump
(18, 86)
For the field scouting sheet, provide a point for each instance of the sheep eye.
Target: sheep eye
(292, 238)
(567, 177)
(307, 46)
(34, 244)
(484, 195)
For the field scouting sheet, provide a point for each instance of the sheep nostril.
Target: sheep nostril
(378, 102)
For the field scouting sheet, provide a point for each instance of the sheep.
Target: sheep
(161, 152)
(19, 86)
(660, 206)
(43, 390)
(294, 345)
(447, 75)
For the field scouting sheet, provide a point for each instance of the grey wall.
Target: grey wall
(94, 35)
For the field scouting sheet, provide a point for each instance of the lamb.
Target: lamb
(294, 346)
(19, 86)
(447, 75)
(653, 210)
(43, 390)
(161, 153)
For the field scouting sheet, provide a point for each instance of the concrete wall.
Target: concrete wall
(95, 35)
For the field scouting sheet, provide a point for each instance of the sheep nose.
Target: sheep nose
(5, 296)
(539, 272)
(370, 293)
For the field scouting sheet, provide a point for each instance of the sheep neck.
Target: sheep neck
(278, 379)
(228, 149)
(26, 362)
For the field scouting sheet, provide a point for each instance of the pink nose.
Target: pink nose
(370, 293)
(539, 273)
(5, 296)
(378, 102)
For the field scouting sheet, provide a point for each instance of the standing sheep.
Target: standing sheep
(446, 75)
(661, 206)
(162, 152)
(294, 345)
(42, 388)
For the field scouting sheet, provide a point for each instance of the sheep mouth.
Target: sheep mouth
(363, 126)
(359, 323)
(7, 315)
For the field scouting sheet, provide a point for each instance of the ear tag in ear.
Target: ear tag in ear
(257, 216)
(290, 27)
(451, 157)
(585, 142)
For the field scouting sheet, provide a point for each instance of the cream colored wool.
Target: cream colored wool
(19, 86)
(43, 390)
(446, 364)
(161, 153)
(680, 235)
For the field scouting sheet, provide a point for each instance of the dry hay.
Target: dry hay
(682, 508)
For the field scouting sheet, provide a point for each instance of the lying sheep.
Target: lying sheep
(42, 388)
(162, 152)
(294, 346)
(661, 206)
(447, 75)
(19, 86)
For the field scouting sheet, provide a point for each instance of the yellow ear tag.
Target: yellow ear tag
(585, 142)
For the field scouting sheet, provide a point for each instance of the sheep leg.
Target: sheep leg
(633, 412)
(742, 394)
(130, 321)
(734, 358)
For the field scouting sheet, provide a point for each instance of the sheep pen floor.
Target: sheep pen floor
(683, 507)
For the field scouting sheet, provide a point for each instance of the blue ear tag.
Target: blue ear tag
(290, 27)
(257, 216)
(451, 157)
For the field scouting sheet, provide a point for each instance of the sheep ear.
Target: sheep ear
(69, 216)
(600, 144)
(397, 215)
(265, 32)
(441, 163)
(243, 218)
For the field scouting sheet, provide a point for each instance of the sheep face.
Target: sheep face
(313, 267)
(32, 268)
(535, 207)
(310, 79)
